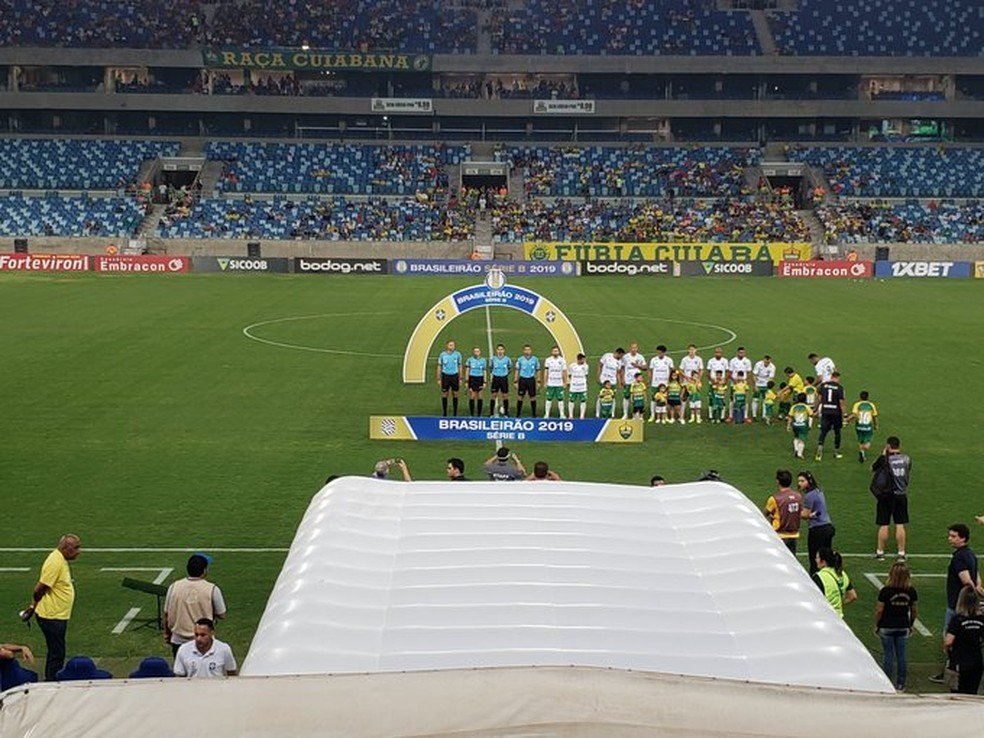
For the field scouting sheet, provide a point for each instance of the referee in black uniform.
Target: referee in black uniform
(830, 403)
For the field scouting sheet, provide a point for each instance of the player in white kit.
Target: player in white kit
(660, 368)
(608, 367)
(824, 368)
(555, 379)
(764, 372)
(632, 363)
(577, 390)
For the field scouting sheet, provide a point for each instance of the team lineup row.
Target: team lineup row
(675, 393)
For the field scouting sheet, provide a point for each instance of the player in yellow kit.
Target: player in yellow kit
(865, 417)
(799, 423)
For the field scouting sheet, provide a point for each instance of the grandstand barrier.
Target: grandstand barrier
(827, 269)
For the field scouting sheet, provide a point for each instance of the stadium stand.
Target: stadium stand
(330, 219)
(881, 28)
(635, 172)
(659, 220)
(612, 27)
(416, 26)
(49, 164)
(69, 216)
(898, 172)
(104, 24)
(909, 222)
(348, 169)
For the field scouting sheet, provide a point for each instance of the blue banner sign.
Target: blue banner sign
(428, 428)
(464, 267)
(924, 269)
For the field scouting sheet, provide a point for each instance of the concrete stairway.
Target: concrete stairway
(763, 32)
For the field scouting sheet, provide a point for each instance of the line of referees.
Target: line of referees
(562, 267)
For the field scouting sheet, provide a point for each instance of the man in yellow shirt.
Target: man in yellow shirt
(52, 600)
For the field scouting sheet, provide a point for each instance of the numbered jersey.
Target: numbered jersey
(865, 413)
(784, 507)
(555, 366)
(578, 374)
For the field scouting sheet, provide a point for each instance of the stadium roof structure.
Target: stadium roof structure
(486, 609)
(688, 579)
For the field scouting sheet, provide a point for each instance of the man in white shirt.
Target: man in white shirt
(205, 657)
(717, 363)
(608, 368)
(632, 362)
(824, 368)
(577, 392)
(764, 372)
(692, 365)
(660, 367)
(555, 379)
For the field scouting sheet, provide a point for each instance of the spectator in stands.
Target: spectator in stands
(542, 473)
(456, 470)
(504, 466)
(205, 657)
(53, 599)
(189, 600)
(81, 669)
(13, 674)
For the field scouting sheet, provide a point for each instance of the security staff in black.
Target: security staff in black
(830, 405)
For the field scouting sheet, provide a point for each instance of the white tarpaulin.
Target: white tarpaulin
(684, 579)
(547, 701)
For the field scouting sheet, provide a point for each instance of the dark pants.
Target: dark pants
(54, 638)
(831, 423)
(791, 544)
(970, 679)
(820, 536)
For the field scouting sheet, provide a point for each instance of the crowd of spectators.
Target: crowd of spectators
(617, 27)
(910, 222)
(632, 172)
(892, 171)
(330, 169)
(120, 23)
(728, 221)
(410, 26)
(328, 219)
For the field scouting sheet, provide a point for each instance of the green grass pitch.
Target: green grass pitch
(136, 413)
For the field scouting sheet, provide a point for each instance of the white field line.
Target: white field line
(14, 568)
(917, 624)
(163, 572)
(127, 619)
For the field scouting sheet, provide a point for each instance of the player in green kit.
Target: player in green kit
(501, 366)
(799, 423)
(865, 416)
(674, 397)
(810, 390)
(637, 395)
(719, 396)
(769, 402)
(694, 393)
(606, 400)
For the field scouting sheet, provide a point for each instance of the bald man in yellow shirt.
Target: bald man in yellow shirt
(52, 601)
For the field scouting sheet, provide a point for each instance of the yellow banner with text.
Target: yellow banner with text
(589, 251)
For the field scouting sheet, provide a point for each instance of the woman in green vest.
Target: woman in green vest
(833, 580)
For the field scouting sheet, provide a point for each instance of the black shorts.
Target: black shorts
(894, 509)
(527, 386)
(831, 422)
(500, 384)
(674, 403)
(476, 383)
(449, 382)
